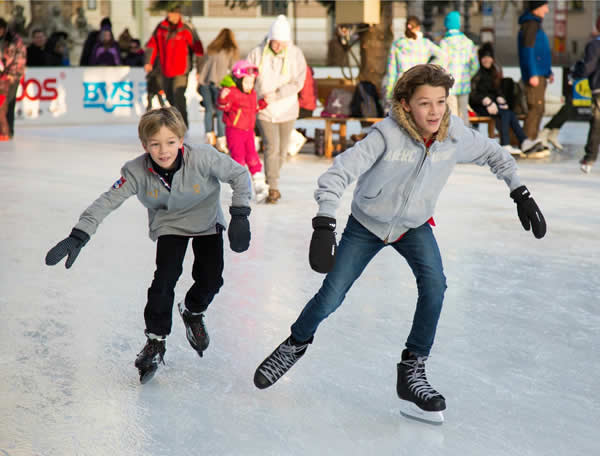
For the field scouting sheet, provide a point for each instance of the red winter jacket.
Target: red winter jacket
(239, 108)
(172, 43)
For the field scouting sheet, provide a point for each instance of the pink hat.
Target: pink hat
(243, 68)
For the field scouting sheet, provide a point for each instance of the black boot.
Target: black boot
(279, 362)
(195, 330)
(419, 399)
(148, 359)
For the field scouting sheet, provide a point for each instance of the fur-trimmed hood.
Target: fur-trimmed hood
(406, 121)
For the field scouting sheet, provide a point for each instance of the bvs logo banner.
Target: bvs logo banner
(108, 96)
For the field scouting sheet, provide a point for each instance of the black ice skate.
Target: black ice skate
(419, 399)
(148, 359)
(279, 362)
(195, 330)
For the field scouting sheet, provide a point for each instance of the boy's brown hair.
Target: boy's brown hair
(424, 74)
(167, 116)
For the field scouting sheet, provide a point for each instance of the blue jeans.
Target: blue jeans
(505, 121)
(357, 247)
(210, 94)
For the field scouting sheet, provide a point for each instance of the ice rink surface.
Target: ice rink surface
(516, 354)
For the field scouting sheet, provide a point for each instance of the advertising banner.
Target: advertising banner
(89, 95)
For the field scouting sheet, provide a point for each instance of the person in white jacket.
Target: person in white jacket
(282, 71)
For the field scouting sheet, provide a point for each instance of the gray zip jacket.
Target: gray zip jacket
(191, 208)
(399, 180)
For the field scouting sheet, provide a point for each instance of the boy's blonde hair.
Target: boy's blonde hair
(424, 74)
(169, 117)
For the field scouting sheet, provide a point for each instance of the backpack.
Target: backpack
(365, 101)
(307, 97)
(515, 95)
(338, 104)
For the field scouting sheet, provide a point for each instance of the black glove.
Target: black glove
(529, 212)
(322, 245)
(69, 246)
(239, 229)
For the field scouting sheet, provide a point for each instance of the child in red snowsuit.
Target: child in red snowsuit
(239, 103)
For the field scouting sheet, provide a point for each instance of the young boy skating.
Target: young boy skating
(401, 167)
(180, 186)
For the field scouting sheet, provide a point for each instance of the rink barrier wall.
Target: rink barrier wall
(89, 95)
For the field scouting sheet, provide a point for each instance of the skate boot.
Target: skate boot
(221, 145)
(534, 149)
(419, 399)
(211, 138)
(586, 167)
(195, 330)
(260, 186)
(150, 357)
(279, 362)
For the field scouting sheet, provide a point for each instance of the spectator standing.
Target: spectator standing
(535, 60)
(222, 53)
(56, 49)
(172, 42)
(106, 51)
(13, 57)
(487, 99)
(135, 56)
(91, 41)
(36, 54)
(589, 68)
(282, 72)
(461, 61)
(407, 51)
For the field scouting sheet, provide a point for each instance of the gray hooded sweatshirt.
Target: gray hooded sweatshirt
(399, 179)
(192, 206)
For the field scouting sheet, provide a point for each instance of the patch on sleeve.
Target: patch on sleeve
(119, 183)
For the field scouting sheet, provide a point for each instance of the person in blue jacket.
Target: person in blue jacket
(535, 60)
(401, 167)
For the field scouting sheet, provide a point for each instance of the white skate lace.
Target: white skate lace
(281, 360)
(417, 380)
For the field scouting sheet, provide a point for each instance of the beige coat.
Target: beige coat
(281, 75)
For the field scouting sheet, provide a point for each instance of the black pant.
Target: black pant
(563, 115)
(11, 99)
(593, 139)
(175, 91)
(207, 273)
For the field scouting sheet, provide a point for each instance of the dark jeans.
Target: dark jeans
(593, 139)
(210, 94)
(175, 91)
(357, 247)
(207, 273)
(505, 121)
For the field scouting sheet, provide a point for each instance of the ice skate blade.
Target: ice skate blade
(412, 411)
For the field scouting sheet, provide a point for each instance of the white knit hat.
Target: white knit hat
(280, 30)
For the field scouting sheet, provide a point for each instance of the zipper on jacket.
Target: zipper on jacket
(405, 203)
(237, 117)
